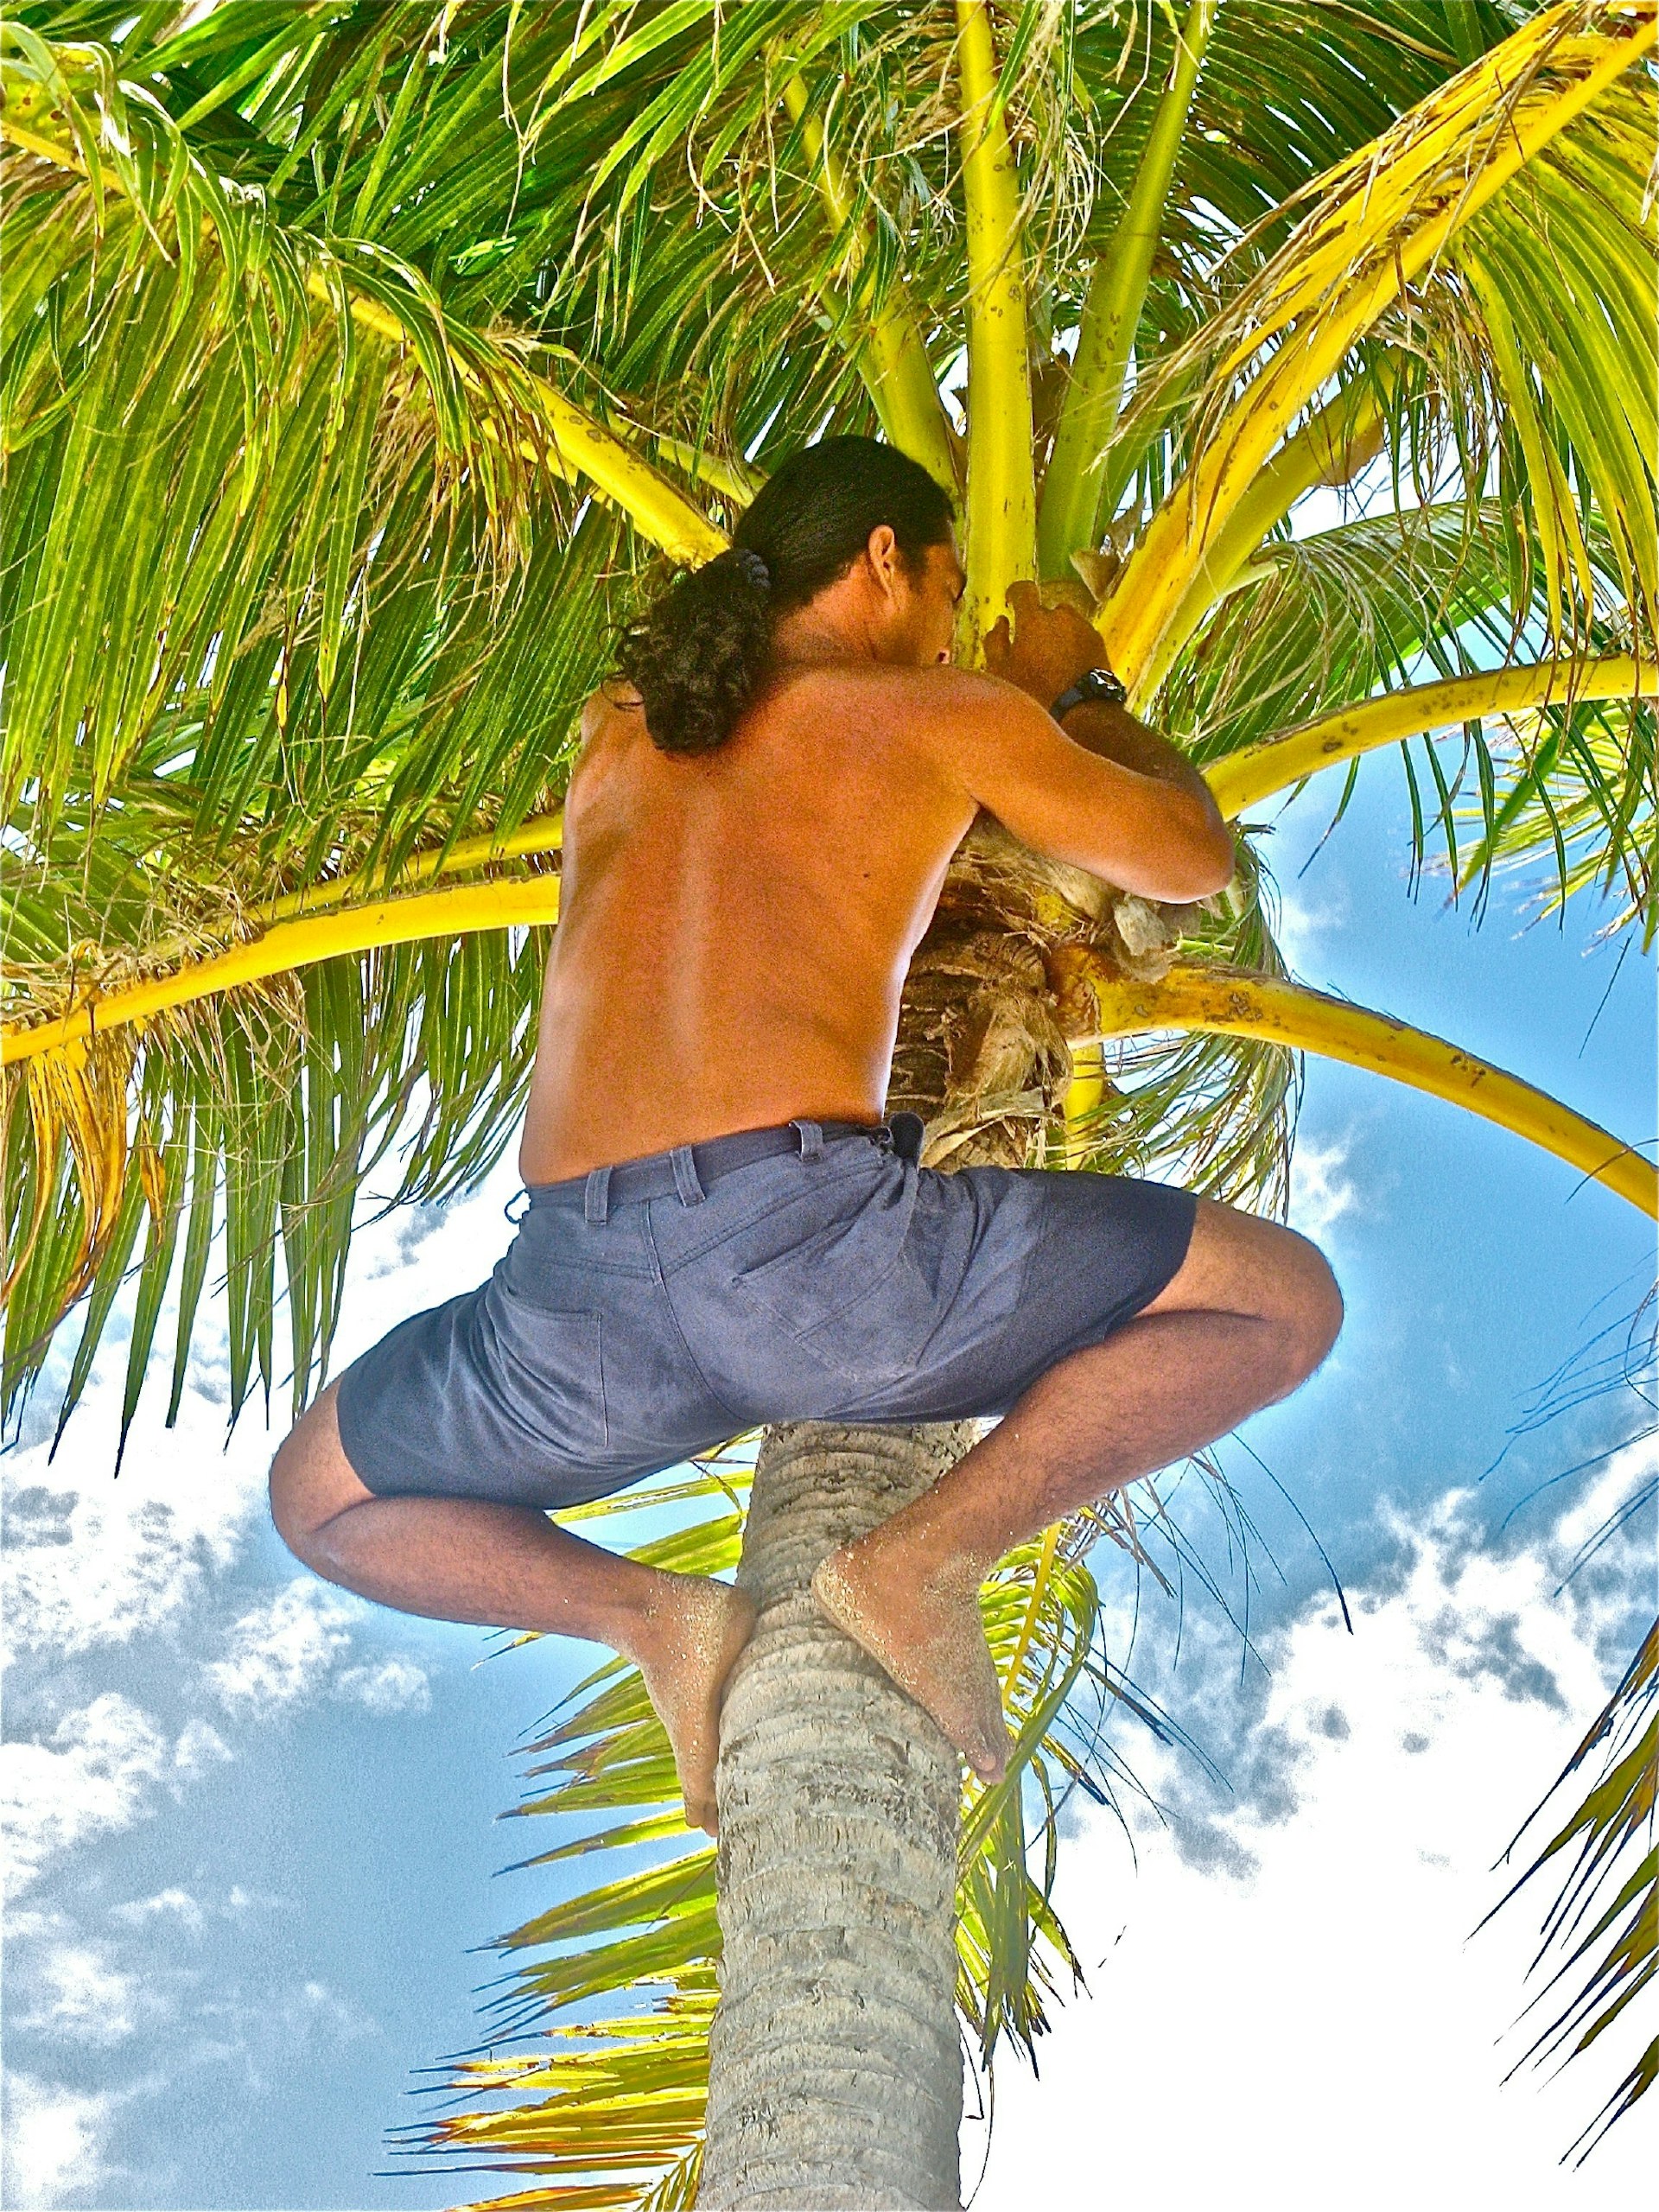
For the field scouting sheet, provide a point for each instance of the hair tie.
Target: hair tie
(754, 568)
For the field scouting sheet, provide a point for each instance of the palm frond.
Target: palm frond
(1577, 788)
(1379, 221)
(1351, 621)
(1001, 532)
(1206, 994)
(1607, 1827)
(1244, 778)
(1068, 521)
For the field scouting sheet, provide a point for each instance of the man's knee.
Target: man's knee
(1309, 1298)
(286, 1487)
(312, 1486)
(1240, 1263)
(309, 1480)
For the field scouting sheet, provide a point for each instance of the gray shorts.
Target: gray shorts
(651, 1310)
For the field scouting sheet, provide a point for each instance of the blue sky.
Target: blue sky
(256, 1820)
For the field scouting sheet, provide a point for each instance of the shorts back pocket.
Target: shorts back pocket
(848, 1290)
(549, 1370)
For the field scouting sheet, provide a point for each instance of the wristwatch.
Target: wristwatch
(1095, 686)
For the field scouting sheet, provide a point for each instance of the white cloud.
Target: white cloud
(200, 1745)
(91, 1559)
(280, 1654)
(80, 1994)
(177, 1902)
(94, 1773)
(291, 1651)
(1304, 1970)
(98, 1771)
(1624, 1473)
(315, 2010)
(1319, 1192)
(1302, 925)
(394, 1686)
(55, 2141)
(236, 1899)
(252, 2039)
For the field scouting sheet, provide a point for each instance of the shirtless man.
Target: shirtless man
(722, 1229)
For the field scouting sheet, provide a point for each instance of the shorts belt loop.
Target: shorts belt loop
(811, 1136)
(596, 1197)
(685, 1176)
(909, 1135)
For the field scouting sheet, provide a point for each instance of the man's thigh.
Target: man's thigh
(1238, 1262)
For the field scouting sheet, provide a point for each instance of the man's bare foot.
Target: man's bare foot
(922, 1624)
(694, 1631)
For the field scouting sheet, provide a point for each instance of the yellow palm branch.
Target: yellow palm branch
(1381, 219)
(1209, 997)
(1001, 532)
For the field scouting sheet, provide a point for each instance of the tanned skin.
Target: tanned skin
(739, 924)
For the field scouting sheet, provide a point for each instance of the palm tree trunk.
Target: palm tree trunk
(835, 2064)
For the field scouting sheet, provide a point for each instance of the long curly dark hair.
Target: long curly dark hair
(700, 652)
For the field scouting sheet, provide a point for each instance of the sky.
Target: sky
(255, 1822)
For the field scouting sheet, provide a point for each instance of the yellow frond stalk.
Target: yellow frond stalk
(1193, 995)
(1002, 534)
(1067, 519)
(295, 945)
(543, 833)
(1246, 777)
(1387, 212)
(579, 445)
(1083, 1095)
(1331, 447)
(892, 360)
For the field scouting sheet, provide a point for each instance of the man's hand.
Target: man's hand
(1049, 648)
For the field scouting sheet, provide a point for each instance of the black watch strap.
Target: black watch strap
(1097, 686)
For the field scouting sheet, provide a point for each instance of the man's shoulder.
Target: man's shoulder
(925, 695)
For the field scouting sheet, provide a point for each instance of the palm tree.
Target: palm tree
(363, 360)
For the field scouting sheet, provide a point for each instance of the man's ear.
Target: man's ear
(881, 551)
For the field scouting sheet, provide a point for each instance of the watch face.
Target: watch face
(1100, 683)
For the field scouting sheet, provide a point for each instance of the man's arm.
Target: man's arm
(1141, 834)
(1144, 834)
(1115, 734)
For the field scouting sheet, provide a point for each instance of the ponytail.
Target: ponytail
(699, 656)
(702, 652)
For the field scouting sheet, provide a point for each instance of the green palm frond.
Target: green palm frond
(1379, 602)
(1576, 786)
(1611, 1835)
(1360, 271)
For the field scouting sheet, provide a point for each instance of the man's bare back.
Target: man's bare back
(736, 927)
